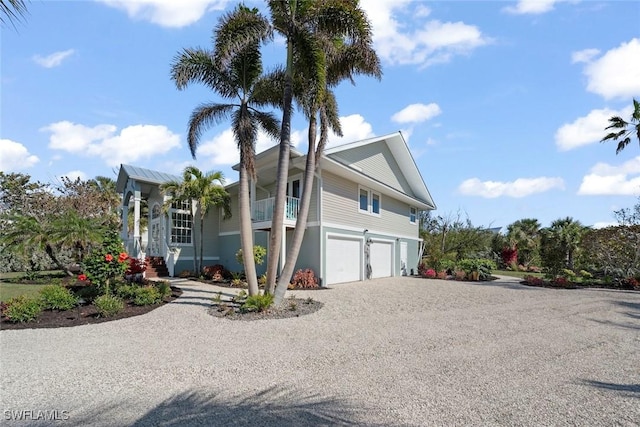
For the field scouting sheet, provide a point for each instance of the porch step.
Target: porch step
(156, 267)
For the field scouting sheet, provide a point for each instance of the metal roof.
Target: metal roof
(142, 175)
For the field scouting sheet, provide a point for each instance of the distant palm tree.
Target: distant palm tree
(567, 232)
(203, 191)
(233, 70)
(11, 10)
(624, 129)
(524, 234)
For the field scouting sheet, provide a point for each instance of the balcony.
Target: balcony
(262, 212)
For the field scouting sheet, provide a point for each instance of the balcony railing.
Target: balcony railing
(263, 209)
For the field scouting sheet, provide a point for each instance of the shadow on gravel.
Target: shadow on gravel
(633, 312)
(627, 390)
(271, 407)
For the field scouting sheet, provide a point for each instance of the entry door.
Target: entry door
(156, 235)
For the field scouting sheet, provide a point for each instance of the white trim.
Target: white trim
(415, 221)
(228, 233)
(361, 229)
(370, 195)
(391, 242)
(343, 236)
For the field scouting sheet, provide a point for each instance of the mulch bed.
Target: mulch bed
(84, 315)
(292, 307)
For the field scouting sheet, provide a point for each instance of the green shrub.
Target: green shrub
(89, 293)
(127, 291)
(259, 252)
(23, 309)
(164, 288)
(585, 274)
(258, 303)
(568, 274)
(108, 305)
(55, 297)
(147, 295)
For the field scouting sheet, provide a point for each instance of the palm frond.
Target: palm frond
(203, 117)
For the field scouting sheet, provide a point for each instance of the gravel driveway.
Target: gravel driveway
(388, 352)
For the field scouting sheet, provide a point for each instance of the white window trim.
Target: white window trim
(173, 210)
(370, 194)
(415, 220)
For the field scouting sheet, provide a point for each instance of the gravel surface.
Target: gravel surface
(388, 352)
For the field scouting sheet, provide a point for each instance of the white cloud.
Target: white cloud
(416, 113)
(435, 42)
(223, 150)
(521, 187)
(606, 180)
(167, 13)
(616, 74)
(54, 59)
(585, 55)
(15, 156)
(132, 143)
(354, 128)
(73, 175)
(534, 7)
(586, 130)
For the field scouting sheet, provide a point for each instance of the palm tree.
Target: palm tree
(567, 232)
(202, 191)
(343, 59)
(524, 234)
(624, 129)
(233, 70)
(11, 10)
(305, 25)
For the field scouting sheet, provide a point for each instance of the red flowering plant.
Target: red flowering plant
(430, 273)
(101, 267)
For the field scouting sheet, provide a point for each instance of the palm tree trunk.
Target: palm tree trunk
(303, 214)
(277, 223)
(49, 250)
(246, 231)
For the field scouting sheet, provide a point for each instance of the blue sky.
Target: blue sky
(503, 104)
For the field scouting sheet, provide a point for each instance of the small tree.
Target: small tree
(623, 129)
(259, 252)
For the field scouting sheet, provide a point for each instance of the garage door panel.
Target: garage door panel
(343, 260)
(381, 254)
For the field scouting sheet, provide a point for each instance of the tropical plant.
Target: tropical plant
(56, 297)
(559, 243)
(259, 252)
(10, 10)
(232, 70)
(524, 235)
(203, 191)
(23, 309)
(343, 39)
(107, 263)
(622, 130)
(108, 305)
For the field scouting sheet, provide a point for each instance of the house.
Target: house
(363, 220)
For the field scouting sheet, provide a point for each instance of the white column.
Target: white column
(124, 234)
(136, 223)
(252, 195)
(283, 249)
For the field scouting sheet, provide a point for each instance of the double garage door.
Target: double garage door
(345, 259)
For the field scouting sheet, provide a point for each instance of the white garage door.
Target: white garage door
(381, 259)
(344, 259)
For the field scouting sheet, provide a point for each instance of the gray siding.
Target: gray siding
(233, 223)
(376, 161)
(340, 204)
(309, 256)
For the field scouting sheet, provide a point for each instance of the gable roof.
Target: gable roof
(402, 176)
(142, 175)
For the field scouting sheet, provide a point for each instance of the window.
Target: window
(181, 222)
(375, 203)
(368, 201)
(364, 200)
(155, 211)
(413, 214)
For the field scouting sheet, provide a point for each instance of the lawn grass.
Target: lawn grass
(11, 290)
(519, 274)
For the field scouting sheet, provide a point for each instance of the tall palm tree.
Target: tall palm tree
(305, 25)
(343, 59)
(233, 70)
(624, 129)
(202, 191)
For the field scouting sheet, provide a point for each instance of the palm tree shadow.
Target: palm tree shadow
(274, 406)
(627, 390)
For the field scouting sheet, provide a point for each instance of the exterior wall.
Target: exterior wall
(341, 207)
(309, 256)
(233, 223)
(229, 245)
(376, 160)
